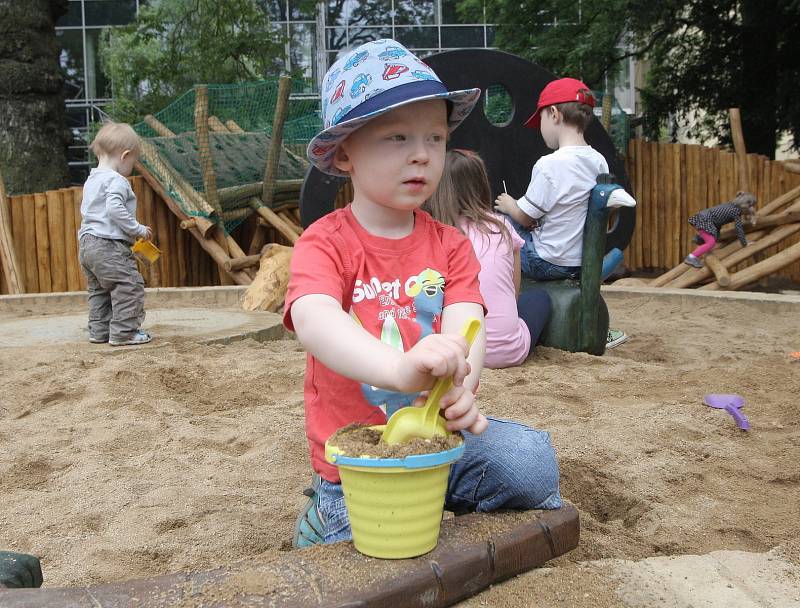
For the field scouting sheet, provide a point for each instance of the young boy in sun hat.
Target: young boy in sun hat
(551, 214)
(379, 291)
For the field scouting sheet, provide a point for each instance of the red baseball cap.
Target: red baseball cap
(559, 91)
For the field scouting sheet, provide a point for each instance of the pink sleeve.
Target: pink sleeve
(317, 267)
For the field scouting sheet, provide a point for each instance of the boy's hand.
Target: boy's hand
(505, 204)
(148, 233)
(461, 411)
(436, 356)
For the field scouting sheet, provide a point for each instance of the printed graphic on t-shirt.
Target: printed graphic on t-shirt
(387, 305)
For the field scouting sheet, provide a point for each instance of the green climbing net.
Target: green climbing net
(240, 118)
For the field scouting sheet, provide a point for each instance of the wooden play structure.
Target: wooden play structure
(207, 214)
(217, 196)
(731, 266)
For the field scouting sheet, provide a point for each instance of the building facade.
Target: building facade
(314, 34)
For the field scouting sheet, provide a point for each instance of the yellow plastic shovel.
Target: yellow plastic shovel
(425, 422)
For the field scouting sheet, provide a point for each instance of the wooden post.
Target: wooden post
(71, 242)
(42, 243)
(8, 255)
(148, 202)
(29, 253)
(55, 230)
(18, 232)
(719, 270)
(204, 146)
(741, 151)
(161, 230)
(276, 140)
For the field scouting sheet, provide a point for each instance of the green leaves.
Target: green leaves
(174, 44)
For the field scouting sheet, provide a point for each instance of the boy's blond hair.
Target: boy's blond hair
(115, 137)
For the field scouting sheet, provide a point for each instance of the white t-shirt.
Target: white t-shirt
(558, 197)
(108, 207)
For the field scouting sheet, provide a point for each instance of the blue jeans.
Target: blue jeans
(508, 466)
(535, 267)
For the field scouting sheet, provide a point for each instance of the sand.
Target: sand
(120, 464)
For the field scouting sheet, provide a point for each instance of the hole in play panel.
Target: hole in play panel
(498, 106)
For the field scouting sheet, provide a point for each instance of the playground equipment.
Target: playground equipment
(579, 316)
(216, 156)
(776, 222)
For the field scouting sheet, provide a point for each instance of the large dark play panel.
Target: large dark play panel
(509, 150)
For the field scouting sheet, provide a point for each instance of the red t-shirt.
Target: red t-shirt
(395, 288)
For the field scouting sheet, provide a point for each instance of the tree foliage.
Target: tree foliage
(704, 56)
(174, 44)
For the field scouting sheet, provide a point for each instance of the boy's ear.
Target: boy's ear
(341, 160)
(125, 153)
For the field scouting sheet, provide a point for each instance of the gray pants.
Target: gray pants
(116, 288)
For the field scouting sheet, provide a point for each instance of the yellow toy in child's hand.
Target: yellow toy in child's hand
(146, 250)
(425, 422)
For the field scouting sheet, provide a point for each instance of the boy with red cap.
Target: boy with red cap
(551, 214)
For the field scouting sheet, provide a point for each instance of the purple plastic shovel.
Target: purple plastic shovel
(731, 404)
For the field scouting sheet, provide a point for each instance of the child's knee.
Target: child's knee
(529, 470)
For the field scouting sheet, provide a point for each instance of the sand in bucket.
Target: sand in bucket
(394, 494)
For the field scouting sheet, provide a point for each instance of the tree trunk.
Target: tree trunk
(759, 84)
(33, 132)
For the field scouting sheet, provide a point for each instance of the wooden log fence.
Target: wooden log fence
(670, 182)
(45, 226)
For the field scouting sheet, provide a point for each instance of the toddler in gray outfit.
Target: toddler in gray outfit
(108, 229)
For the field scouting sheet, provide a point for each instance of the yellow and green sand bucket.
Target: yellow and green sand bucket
(395, 505)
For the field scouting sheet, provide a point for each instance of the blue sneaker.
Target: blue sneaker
(309, 528)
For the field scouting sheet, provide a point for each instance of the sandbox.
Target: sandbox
(186, 456)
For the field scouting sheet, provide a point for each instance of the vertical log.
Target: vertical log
(669, 205)
(640, 189)
(683, 238)
(29, 258)
(8, 253)
(148, 202)
(180, 255)
(172, 231)
(204, 146)
(77, 200)
(276, 140)
(18, 231)
(645, 203)
(71, 242)
(55, 230)
(162, 230)
(42, 244)
(741, 151)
